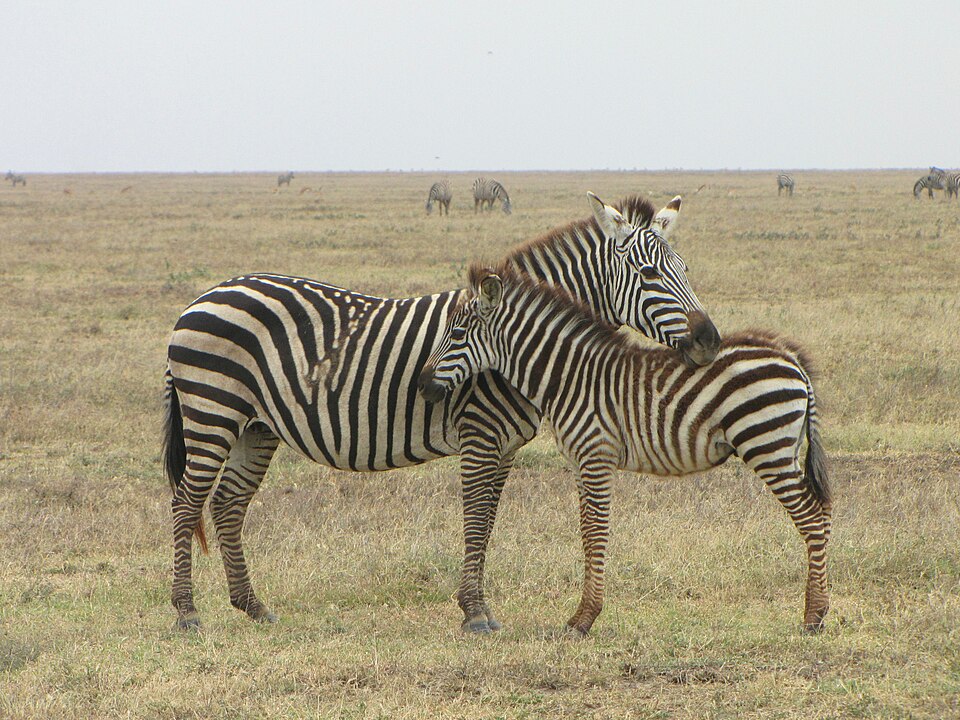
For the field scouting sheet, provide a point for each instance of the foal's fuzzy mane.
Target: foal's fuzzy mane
(636, 209)
(578, 317)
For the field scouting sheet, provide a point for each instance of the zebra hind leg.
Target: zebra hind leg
(205, 455)
(812, 520)
(242, 475)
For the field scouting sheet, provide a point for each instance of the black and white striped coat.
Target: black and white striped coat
(333, 373)
(284, 179)
(784, 182)
(614, 405)
(929, 182)
(15, 179)
(952, 185)
(486, 192)
(440, 194)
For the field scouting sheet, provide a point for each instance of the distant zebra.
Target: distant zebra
(284, 179)
(930, 182)
(784, 182)
(266, 358)
(612, 404)
(952, 185)
(440, 193)
(485, 192)
(15, 179)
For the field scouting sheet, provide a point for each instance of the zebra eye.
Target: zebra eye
(649, 272)
(458, 334)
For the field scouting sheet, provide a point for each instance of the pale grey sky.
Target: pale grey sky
(551, 84)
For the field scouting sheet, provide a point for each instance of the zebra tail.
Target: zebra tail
(815, 467)
(174, 449)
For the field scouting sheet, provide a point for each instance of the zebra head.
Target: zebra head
(650, 287)
(467, 347)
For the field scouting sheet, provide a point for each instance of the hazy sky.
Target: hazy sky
(221, 86)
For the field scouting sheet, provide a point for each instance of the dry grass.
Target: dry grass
(705, 576)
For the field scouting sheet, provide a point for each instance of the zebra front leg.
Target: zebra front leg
(812, 520)
(594, 486)
(241, 478)
(496, 489)
(480, 466)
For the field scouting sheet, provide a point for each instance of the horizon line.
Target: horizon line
(399, 171)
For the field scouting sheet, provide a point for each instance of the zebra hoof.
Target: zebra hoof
(575, 633)
(477, 626)
(491, 620)
(813, 628)
(188, 622)
(262, 615)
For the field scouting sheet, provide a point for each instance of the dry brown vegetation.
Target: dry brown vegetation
(706, 573)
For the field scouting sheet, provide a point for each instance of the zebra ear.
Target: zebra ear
(665, 220)
(491, 291)
(611, 222)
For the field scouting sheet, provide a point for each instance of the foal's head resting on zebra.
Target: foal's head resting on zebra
(651, 286)
(470, 346)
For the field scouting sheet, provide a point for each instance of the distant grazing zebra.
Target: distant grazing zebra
(612, 404)
(784, 182)
(264, 358)
(284, 179)
(931, 181)
(485, 192)
(440, 194)
(15, 179)
(953, 185)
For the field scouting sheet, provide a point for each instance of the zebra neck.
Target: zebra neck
(557, 369)
(577, 260)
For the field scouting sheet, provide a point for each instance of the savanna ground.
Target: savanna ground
(706, 573)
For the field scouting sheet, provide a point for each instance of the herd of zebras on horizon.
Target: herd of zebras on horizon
(938, 179)
(364, 383)
(487, 192)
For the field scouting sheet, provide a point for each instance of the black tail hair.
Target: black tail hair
(174, 449)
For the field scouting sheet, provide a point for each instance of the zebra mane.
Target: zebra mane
(579, 320)
(636, 209)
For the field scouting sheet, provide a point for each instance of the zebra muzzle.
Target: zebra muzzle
(703, 343)
(430, 389)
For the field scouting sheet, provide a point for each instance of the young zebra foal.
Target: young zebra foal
(615, 405)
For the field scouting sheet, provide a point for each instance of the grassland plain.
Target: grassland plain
(705, 573)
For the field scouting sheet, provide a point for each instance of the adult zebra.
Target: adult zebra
(440, 194)
(931, 181)
(614, 405)
(485, 192)
(333, 373)
(284, 179)
(784, 182)
(15, 179)
(952, 185)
